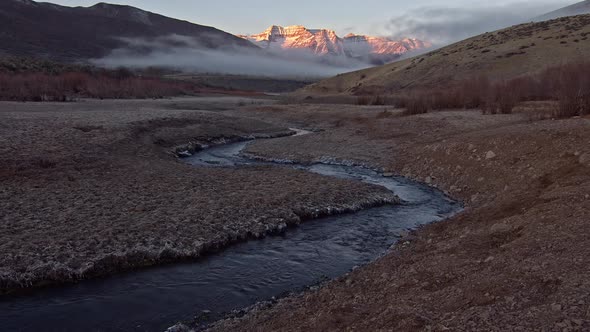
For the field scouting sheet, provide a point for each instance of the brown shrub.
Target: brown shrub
(474, 92)
(568, 84)
(416, 103)
(363, 100)
(502, 98)
(574, 91)
(70, 85)
(378, 101)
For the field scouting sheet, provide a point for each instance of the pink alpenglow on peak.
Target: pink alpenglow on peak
(324, 42)
(320, 41)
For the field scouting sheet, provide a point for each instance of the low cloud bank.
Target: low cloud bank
(186, 54)
(442, 26)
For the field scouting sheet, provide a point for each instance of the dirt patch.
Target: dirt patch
(516, 259)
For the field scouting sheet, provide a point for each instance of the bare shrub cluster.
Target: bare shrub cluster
(568, 84)
(71, 85)
(373, 100)
(573, 90)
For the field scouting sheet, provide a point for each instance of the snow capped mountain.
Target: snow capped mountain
(320, 41)
(380, 47)
(324, 42)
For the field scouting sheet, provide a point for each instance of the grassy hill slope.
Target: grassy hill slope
(503, 54)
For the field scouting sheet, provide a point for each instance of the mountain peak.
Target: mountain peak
(123, 12)
(323, 42)
(41, 29)
(110, 6)
(319, 41)
(25, 2)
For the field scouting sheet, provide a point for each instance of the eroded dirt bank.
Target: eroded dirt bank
(517, 259)
(92, 188)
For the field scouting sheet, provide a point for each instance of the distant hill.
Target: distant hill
(502, 54)
(29, 28)
(325, 42)
(575, 9)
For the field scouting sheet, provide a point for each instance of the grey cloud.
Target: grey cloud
(349, 29)
(442, 26)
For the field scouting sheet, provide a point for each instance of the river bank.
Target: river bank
(241, 274)
(93, 188)
(516, 259)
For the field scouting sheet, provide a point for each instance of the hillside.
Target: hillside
(502, 54)
(575, 9)
(323, 42)
(32, 28)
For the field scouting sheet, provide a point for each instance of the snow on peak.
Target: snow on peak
(320, 41)
(327, 42)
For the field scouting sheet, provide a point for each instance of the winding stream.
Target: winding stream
(156, 298)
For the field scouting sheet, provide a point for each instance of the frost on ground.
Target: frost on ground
(93, 188)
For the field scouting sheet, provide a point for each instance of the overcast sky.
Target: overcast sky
(376, 17)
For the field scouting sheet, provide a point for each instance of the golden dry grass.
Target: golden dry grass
(503, 54)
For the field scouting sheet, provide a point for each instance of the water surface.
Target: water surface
(156, 298)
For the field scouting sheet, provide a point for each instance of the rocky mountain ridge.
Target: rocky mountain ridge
(325, 42)
(38, 29)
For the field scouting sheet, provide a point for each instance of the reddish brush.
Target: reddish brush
(569, 84)
(69, 85)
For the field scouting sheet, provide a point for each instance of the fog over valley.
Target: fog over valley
(186, 54)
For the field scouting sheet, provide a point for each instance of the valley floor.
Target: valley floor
(518, 258)
(93, 188)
